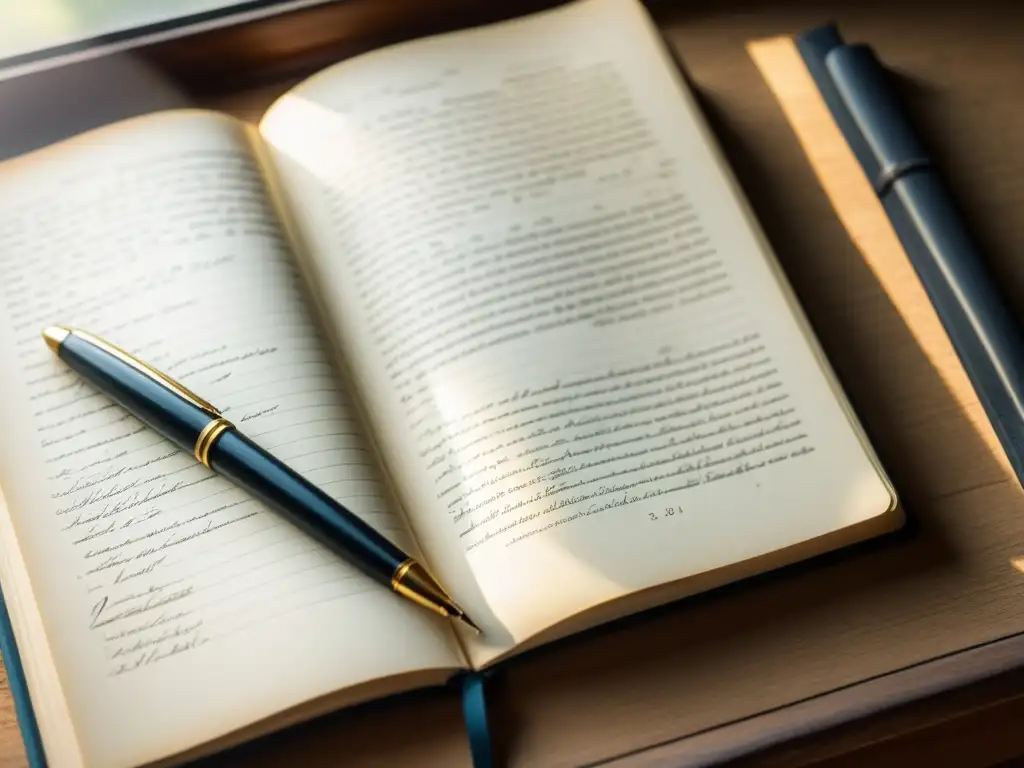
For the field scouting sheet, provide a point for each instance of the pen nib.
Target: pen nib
(461, 616)
(413, 581)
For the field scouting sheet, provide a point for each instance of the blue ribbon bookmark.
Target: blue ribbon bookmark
(19, 691)
(474, 712)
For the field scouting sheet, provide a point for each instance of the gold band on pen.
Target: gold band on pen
(406, 586)
(208, 437)
(411, 580)
(399, 574)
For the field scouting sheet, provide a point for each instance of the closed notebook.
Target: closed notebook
(494, 290)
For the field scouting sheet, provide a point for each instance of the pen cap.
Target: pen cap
(889, 146)
(815, 45)
(153, 403)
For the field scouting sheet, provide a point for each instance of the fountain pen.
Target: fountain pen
(195, 426)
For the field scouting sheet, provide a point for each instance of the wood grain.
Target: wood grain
(709, 670)
(12, 752)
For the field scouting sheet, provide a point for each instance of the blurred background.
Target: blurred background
(27, 26)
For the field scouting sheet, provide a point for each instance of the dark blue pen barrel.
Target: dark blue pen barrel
(235, 457)
(955, 275)
(985, 334)
(243, 462)
(153, 404)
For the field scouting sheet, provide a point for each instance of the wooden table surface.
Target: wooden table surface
(730, 674)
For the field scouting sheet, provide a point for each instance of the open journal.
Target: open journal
(496, 291)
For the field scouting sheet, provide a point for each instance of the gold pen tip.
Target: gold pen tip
(460, 616)
(55, 336)
(412, 580)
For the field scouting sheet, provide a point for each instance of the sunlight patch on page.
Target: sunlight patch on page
(317, 125)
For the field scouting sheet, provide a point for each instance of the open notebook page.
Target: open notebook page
(167, 594)
(583, 372)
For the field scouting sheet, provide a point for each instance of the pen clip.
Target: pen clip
(160, 378)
